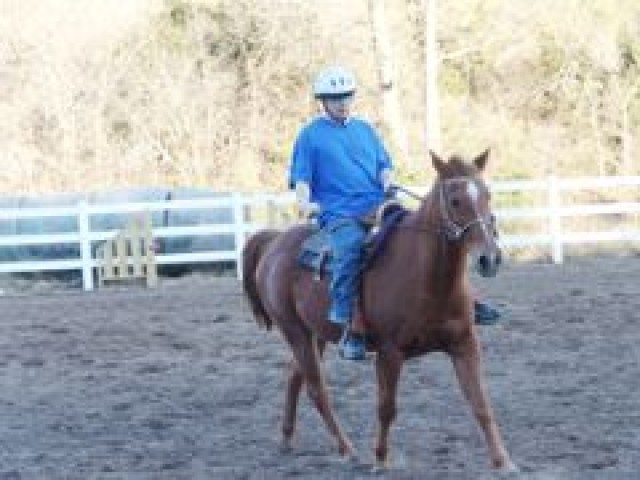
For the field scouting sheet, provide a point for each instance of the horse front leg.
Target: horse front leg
(388, 367)
(467, 363)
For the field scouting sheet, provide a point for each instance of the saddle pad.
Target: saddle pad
(378, 239)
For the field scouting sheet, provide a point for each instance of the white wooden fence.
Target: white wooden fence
(552, 212)
(555, 210)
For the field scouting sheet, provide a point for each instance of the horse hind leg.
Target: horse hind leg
(306, 353)
(294, 385)
(295, 381)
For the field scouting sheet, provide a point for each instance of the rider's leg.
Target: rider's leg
(347, 238)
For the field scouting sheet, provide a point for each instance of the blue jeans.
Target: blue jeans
(346, 237)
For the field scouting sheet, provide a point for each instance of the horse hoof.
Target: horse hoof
(381, 466)
(286, 446)
(346, 451)
(508, 467)
(350, 458)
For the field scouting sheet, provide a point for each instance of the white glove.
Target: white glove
(309, 209)
(386, 177)
(303, 197)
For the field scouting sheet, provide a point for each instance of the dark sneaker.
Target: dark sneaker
(351, 346)
(485, 314)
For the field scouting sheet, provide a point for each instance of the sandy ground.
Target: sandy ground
(179, 383)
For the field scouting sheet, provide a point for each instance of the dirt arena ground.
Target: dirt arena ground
(179, 383)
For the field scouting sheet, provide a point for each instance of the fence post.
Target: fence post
(239, 229)
(85, 245)
(555, 226)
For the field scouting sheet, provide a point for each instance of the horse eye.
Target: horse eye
(455, 202)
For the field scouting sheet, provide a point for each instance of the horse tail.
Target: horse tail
(251, 255)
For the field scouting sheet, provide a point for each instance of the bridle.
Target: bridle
(453, 231)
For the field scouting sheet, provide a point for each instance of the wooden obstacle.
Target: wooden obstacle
(129, 255)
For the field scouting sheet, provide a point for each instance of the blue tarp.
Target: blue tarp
(32, 226)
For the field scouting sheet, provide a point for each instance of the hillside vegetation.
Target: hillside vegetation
(102, 94)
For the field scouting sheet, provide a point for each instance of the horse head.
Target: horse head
(464, 210)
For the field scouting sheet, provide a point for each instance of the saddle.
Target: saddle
(315, 253)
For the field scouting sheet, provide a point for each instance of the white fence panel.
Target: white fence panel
(555, 211)
(84, 237)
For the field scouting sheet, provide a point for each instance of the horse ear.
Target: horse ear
(481, 160)
(437, 162)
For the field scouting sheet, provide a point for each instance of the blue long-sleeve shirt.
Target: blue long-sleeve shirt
(342, 165)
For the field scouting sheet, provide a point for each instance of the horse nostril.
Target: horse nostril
(484, 262)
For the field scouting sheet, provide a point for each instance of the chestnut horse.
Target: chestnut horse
(415, 298)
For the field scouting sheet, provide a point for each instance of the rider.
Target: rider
(340, 170)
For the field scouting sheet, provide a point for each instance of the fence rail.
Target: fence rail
(552, 213)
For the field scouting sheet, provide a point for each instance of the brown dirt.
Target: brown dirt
(179, 383)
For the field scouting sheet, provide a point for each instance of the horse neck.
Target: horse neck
(443, 263)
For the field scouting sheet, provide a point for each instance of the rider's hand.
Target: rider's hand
(309, 209)
(386, 178)
(391, 192)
